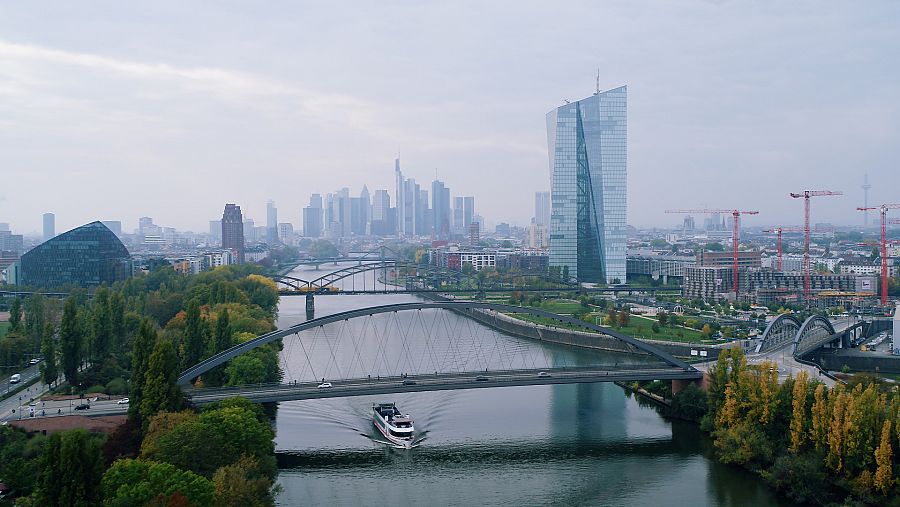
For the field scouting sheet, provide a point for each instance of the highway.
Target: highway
(441, 382)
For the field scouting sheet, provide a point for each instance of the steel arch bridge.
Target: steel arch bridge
(665, 365)
(815, 332)
(436, 275)
(780, 332)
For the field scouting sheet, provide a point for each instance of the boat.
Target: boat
(393, 424)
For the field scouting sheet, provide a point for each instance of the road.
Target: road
(443, 382)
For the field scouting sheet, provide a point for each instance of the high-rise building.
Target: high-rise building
(542, 208)
(215, 230)
(382, 214)
(469, 210)
(587, 150)
(249, 231)
(338, 210)
(474, 233)
(399, 200)
(49, 226)
(114, 225)
(233, 231)
(312, 217)
(271, 223)
(286, 233)
(440, 206)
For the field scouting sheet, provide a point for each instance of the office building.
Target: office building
(542, 208)
(114, 225)
(312, 217)
(233, 231)
(271, 223)
(10, 242)
(587, 148)
(440, 210)
(49, 226)
(286, 233)
(215, 230)
(87, 256)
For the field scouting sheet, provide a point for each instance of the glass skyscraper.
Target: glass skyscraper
(587, 143)
(87, 256)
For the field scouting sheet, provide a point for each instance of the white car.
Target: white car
(33, 361)
(123, 401)
(543, 374)
(324, 385)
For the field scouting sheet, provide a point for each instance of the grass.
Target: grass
(3, 327)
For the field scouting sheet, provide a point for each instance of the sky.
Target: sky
(116, 110)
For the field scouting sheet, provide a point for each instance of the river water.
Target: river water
(585, 444)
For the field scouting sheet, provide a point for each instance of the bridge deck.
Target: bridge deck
(441, 382)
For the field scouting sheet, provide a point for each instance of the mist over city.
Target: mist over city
(449, 253)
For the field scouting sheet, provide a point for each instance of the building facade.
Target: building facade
(87, 256)
(233, 231)
(49, 226)
(587, 147)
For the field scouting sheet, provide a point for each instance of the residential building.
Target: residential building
(587, 148)
(538, 236)
(233, 231)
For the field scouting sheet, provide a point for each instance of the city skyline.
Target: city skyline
(759, 109)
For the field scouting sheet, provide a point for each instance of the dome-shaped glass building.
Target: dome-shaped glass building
(87, 256)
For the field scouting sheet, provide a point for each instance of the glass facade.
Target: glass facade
(587, 143)
(88, 256)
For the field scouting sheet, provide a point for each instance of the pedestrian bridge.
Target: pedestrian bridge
(433, 346)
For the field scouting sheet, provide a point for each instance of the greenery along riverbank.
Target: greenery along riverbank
(137, 336)
(813, 444)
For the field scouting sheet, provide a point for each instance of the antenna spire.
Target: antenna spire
(597, 92)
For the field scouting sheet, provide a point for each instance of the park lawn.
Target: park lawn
(3, 327)
(638, 327)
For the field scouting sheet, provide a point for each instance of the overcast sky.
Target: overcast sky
(112, 111)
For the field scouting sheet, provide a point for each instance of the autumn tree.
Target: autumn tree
(798, 412)
(884, 474)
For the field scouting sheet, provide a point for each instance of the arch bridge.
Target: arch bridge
(432, 346)
(787, 330)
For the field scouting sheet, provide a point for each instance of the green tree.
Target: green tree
(34, 318)
(131, 482)
(140, 358)
(160, 390)
(117, 320)
(101, 324)
(323, 249)
(663, 318)
(70, 341)
(242, 484)
(193, 335)
(49, 369)
(15, 314)
(221, 341)
(71, 467)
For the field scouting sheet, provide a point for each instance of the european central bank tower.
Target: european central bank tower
(587, 143)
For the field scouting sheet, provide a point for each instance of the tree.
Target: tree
(117, 320)
(706, 330)
(612, 316)
(71, 467)
(242, 484)
(160, 390)
(49, 370)
(884, 475)
(133, 482)
(624, 318)
(323, 249)
(34, 318)
(193, 335)
(221, 341)
(101, 323)
(15, 314)
(663, 318)
(798, 414)
(714, 247)
(140, 358)
(70, 341)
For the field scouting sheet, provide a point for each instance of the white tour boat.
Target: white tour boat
(395, 426)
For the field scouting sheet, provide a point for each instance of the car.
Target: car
(15, 378)
(544, 374)
(33, 361)
(324, 385)
(482, 378)
(83, 406)
(409, 382)
(123, 401)
(32, 404)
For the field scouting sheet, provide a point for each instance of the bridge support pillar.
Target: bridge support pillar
(310, 303)
(678, 385)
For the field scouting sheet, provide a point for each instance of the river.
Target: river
(586, 444)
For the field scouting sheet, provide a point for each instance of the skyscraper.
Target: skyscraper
(312, 217)
(542, 208)
(233, 231)
(49, 226)
(440, 205)
(381, 214)
(587, 149)
(271, 223)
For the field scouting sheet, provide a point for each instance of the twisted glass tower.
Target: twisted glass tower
(587, 143)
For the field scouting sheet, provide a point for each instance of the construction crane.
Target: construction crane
(883, 209)
(735, 235)
(806, 194)
(778, 232)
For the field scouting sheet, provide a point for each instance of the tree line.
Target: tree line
(136, 336)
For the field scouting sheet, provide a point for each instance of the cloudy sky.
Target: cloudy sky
(171, 109)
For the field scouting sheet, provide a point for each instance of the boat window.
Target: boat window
(401, 434)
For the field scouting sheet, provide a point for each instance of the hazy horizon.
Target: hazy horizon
(114, 111)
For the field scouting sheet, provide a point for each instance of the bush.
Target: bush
(802, 479)
(690, 403)
(95, 389)
(117, 386)
(845, 369)
(655, 328)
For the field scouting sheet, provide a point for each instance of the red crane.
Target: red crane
(883, 209)
(778, 231)
(735, 235)
(806, 194)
